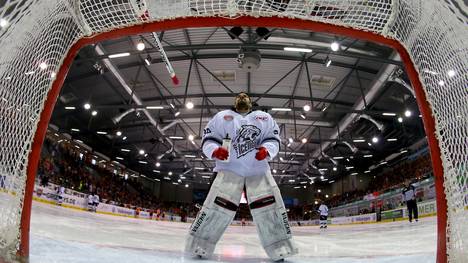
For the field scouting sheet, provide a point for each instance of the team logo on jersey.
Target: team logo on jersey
(245, 140)
(261, 118)
(228, 117)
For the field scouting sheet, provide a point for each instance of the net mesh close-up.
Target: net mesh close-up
(37, 35)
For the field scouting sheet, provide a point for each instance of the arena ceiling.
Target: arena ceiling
(338, 132)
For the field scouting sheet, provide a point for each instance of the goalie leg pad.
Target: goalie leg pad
(269, 213)
(216, 214)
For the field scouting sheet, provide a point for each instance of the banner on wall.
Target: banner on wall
(79, 200)
(366, 218)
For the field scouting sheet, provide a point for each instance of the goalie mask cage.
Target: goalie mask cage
(39, 40)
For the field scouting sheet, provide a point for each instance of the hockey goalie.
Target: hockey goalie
(242, 142)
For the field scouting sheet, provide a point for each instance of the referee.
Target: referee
(410, 198)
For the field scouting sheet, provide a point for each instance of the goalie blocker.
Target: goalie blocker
(219, 209)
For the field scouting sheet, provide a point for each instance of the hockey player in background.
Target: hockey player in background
(323, 210)
(242, 142)
(60, 193)
(409, 196)
(90, 202)
(95, 201)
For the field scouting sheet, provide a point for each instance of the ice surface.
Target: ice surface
(63, 235)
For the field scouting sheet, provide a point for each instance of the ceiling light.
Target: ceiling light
(326, 196)
(119, 158)
(177, 114)
(335, 46)
(328, 62)
(189, 105)
(274, 171)
(441, 83)
(148, 61)
(349, 167)
(404, 151)
(158, 164)
(101, 132)
(354, 174)
(70, 108)
(338, 157)
(400, 119)
(29, 72)
(389, 114)
(125, 150)
(392, 140)
(190, 156)
(140, 46)
(186, 185)
(382, 163)
(316, 202)
(141, 152)
(93, 113)
(319, 191)
(304, 140)
(369, 144)
(156, 171)
(167, 178)
(119, 55)
(303, 116)
(284, 171)
(291, 140)
(169, 173)
(124, 138)
(118, 133)
(334, 168)
(323, 169)
(280, 109)
(375, 140)
(143, 162)
(191, 137)
(306, 107)
(291, 180)
(322, 177)
(298, 49)
(87, 106)
(281, 159)
(359, 140)
(367, 156)
(176, 137)
(43, 65)
(407, 113)
(154, 107)
(75, 130)
(451, 73)
(3, 23)
(366, 172)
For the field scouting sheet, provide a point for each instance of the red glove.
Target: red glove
(220, 153)
(261, 154)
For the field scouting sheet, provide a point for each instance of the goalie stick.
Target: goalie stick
(142, 10)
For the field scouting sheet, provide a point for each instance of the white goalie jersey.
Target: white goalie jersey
(248, 133)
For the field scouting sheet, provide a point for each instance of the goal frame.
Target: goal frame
(274, 21)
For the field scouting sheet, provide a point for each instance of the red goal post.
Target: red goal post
(428, 51)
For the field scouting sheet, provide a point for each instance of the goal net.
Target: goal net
(40, 38)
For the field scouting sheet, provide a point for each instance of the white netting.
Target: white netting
(35, 32)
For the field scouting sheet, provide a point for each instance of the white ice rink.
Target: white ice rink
(64, 235)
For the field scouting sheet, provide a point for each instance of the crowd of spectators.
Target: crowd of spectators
(62, 163)
(65, 164)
